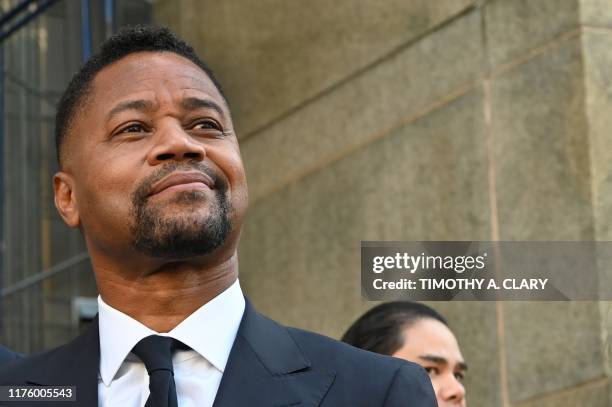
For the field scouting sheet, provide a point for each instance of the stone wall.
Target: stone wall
(422, 120)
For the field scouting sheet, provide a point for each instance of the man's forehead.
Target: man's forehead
(432, 336)
(151, 72)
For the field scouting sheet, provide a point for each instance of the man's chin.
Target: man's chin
(182, 235)
(187, 225)
(180, 245)
(186, 217)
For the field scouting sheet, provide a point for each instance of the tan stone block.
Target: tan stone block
(514, 27)
(169, 13)
(413, 82)
(598, 77)
(596, 13)
(552, 346)
(591, 394)
(542, 164)
(598, 80)
(540, 138)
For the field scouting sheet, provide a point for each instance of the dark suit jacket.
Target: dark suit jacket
(7, 355)
(269, 365)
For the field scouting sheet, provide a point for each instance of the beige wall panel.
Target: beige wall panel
(541, 148)
(551, 346)
(597, 46)
(515, 27)
(543, 173)
(598, 78)
(596, 13)
(592, 394)
(414, 81)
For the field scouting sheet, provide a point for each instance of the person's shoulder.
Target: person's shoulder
(382, 380)
(328, 351)
(7, 355)
(16, 370)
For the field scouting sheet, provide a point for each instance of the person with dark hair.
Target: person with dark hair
(151, 174)
(417, 333)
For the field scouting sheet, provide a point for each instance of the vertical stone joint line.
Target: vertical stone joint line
(494, 219)
(494, 215)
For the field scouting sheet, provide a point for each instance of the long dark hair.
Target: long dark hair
(381, 329)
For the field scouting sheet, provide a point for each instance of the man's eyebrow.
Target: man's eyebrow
(193, 103)
(435, 359)
(442, 361)
(138, 104)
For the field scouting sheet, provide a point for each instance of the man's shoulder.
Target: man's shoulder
(381, 380)
(354, 377)
(17, 370)
(326, 353)
(324, 350)
(72, 361)
(7, 355)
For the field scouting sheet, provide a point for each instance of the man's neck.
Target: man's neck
(162, 299)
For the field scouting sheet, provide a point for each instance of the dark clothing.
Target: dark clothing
(7, 355)
(269, 365)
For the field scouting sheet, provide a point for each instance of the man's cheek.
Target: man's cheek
(436, 384)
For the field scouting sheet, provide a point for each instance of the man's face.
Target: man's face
(153, 161)
(432, 345)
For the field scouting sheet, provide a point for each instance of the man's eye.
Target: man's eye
(133, 128)
(459, 376)
(432, 371)
(206, 125)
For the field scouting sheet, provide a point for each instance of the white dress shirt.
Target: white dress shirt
(209, 332)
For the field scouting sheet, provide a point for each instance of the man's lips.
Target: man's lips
(182, 180)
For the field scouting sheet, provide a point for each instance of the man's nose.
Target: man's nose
(172, 142)
(452, 390)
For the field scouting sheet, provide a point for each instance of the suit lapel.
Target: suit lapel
(74, 364)
(267, 368)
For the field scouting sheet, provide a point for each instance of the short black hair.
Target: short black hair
(128, 40)
(381, 329)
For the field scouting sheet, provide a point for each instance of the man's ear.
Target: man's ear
(65, 199)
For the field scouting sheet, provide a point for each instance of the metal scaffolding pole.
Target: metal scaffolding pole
(7, 29)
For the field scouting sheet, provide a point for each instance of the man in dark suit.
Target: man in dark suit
(151, 173)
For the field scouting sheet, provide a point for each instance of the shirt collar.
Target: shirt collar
(210, 331)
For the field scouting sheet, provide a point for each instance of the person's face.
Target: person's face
(432, 345)
(152, 164)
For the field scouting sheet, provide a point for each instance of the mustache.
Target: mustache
(144, 189)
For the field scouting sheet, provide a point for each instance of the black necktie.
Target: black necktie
(156, 353)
